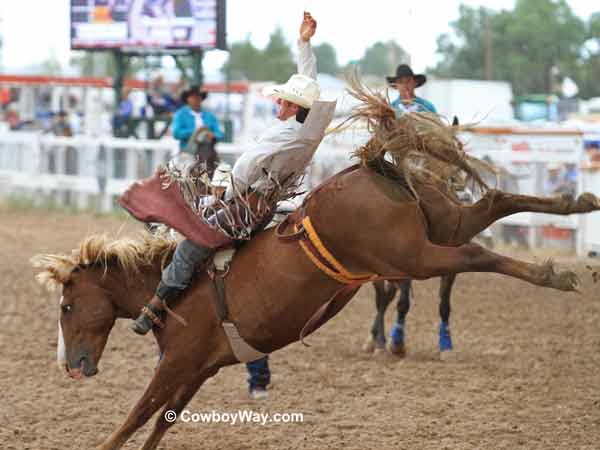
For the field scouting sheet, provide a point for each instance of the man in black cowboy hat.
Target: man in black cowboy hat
(196, 129)
(405, 81)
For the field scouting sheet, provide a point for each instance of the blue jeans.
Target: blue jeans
(186, 259)
(259, 373)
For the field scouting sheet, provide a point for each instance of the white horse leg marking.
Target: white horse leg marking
(61, 352)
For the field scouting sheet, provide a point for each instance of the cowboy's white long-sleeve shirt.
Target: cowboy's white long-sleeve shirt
(282, 150)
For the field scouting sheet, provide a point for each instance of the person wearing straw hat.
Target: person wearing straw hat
(283, 151)
(405, 81)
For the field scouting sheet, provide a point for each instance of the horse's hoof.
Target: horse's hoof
(447, 356)
(398, 350)
(369, 345)
(588, 202)
(566, 280)
(379, 350)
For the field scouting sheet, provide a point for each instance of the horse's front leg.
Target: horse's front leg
(397, 345)
(384, 294)
(445, 339)
(162, 387)
(174, 407)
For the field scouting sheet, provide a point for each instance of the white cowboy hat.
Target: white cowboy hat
(299, 89)
(222, 175)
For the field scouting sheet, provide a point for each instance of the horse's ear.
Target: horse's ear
(455, 121)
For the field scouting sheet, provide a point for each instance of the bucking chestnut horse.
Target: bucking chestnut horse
(367, 218)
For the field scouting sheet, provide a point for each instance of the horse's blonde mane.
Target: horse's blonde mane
(99, 251)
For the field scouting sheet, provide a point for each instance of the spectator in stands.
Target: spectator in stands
(4, 97)
(159, 99)
(13, 118)
(570, 178)
(75, 117)
(560, 181)
(178, 89)
(123, 114)
(592, 149)
(197, 130)
(60, 125)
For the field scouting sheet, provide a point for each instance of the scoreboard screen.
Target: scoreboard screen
(147, 24)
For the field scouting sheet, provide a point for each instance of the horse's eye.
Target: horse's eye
(66, 308)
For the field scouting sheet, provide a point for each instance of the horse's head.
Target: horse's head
(86, 318)
(95, 282)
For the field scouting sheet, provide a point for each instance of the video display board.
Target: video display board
(147, 24)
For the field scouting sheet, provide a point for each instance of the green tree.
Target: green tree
(326, 59)
(275, 62)
(464, 52)
(525, 45)
(382, 58)
(590, 64)
(51, 66)
(244, 61)
(93, 64)
(277, 58)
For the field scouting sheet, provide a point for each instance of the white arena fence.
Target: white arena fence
(87, 172)
(528, 154)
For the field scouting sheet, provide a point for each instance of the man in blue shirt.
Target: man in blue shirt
(197, 130)
(405, 82)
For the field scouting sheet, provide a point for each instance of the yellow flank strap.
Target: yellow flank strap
(336, 276)
(342, 275)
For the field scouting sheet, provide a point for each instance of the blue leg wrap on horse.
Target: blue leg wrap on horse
(397, 334)
(445, 341)
(260, 374)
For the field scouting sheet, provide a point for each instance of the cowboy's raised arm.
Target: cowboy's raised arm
(307, 62)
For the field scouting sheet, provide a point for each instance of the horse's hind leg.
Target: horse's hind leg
(438, 260)
(173, 408)
(496, 205)
(397, 345)
(445, 339)
(384, 294)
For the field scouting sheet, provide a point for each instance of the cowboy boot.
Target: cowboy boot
(148, 317)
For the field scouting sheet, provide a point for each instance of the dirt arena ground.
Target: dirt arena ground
(525, 373)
